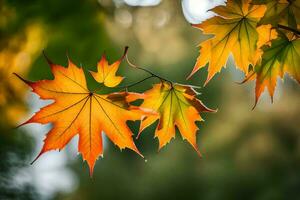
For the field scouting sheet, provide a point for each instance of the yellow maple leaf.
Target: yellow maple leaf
(234, 31)
(284, 12)
(107, 73)
(266, 33)
(176, 105)
(283, 56)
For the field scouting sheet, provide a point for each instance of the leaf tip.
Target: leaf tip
(189, 76)
(22, 79)
(24, 123)
(47, 59)
(213, 110)
(198, 152)
(91, 172)
(255, 104)
(194, 145)
(139, 134)
(140, 154)
(272, 99)
(39, 155)
(192, 73)
(125, 52)
(241, 82)
(206, 82)
(195, 25)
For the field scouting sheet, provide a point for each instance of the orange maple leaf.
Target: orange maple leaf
(107, 73)
(234, 31)
(176, 105)
(77, 110)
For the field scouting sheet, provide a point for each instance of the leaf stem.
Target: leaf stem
(152, 75)
(98, 89)
(289, 29)
(136, 83)
(149, 72)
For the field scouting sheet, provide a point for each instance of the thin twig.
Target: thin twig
(98, 89)
(289, 29)
(136, 83)
(148, 71)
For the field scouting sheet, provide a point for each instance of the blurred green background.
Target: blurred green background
(247, 154)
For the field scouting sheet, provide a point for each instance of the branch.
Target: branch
(152, 75)
(289, 29)
(136, 83)
(148, 71)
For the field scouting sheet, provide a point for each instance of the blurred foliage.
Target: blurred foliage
(247, 155)
(18, 51)
(15, 152)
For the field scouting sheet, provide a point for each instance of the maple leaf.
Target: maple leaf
(234, 31)
(176, 105)
(107, 73)
(77, 110)
(282, 57)
(266, 33)
(285, 12)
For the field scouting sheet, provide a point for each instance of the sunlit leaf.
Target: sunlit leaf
(77, 110)
(282, 57)
(282, 12)
(107, 73)
(266, 33)
(234, 31)
(177, 106)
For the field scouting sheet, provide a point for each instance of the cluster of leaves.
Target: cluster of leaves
(261, 35)
(78, 110)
